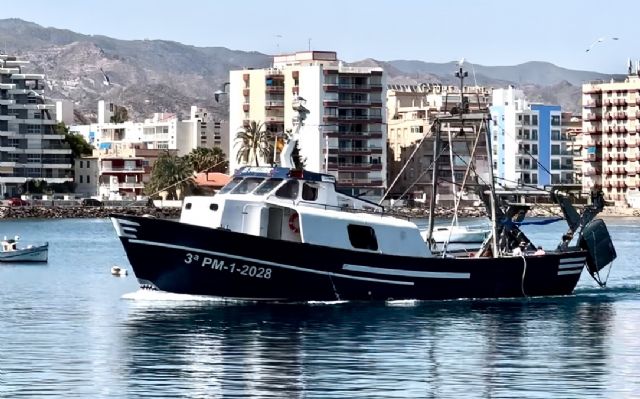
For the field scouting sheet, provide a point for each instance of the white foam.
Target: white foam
(402, 302)
(163, 296)
(325, 302)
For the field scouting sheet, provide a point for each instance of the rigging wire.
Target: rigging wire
(178, 182)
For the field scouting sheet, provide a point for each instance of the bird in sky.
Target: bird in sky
(600, 40)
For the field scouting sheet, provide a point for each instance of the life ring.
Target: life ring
(294, 224)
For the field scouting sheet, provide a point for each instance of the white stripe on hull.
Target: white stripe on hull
(405, 273)
(572, 260)
(571, 265)
(566, 272)
(252, 260)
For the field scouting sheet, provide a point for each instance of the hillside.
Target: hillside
(166, 76)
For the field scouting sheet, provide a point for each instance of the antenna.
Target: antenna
(309, 40)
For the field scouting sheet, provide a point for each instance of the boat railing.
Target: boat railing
(347, 208)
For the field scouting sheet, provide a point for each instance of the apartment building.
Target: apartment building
(530, 145)
(344, 133)
(411, 111)
(116, 173)
(30, 149)
(163, 131)
(611, 129)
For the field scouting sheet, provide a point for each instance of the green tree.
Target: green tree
(171, 173)
(77, 142)
(254, 141)
(207, 160)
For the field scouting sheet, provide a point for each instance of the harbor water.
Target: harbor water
(68, 328)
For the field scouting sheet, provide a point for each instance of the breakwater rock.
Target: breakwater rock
(55, 212)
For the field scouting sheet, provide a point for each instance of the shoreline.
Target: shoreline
(79, 212)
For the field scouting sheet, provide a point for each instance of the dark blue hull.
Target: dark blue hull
(180, 258)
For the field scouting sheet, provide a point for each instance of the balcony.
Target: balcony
(245, 92)
(608, 102)
(590, 171)
(593, 104)
(593, 131)
(592, 89)
(7, 102)
(245, 107)
(274, 104)
(592, 117)
(621, 102)
(7, 86)
(7, 117)
(620, 115)
(274, 89)
(631, 142)
(122, 169)
(637, 100)
(274, 118)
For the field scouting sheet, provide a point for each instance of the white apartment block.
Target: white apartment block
(344, 133)
(530, 145)
(30, 149)
(164, 131)
(611, 137)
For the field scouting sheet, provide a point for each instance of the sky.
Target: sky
(487, 32)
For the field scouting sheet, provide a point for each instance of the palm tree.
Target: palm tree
(254, 140)
(171, 173)
(207, 160)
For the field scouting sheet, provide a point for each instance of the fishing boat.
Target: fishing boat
(285, 234)
(10, 251)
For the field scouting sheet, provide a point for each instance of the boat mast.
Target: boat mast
(434, 179)
(492, 194)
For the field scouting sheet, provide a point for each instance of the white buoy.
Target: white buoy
(118, 271)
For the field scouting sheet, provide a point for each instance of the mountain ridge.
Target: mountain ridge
(167, 76)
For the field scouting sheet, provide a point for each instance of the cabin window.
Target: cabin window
(267, 186)
(247, 185)
(188, 205)
(309, 192)
(362, 237)
(289, 190)
(213, 207)
(231, 185)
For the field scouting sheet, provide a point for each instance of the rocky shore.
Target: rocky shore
(55, 212)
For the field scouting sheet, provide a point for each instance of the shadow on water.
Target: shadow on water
(493, 348)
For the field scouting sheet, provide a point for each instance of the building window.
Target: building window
(80, 164)
(88, 179)
(555, 120)
(534, 119)
(362, 237)
(33, 129)
(80, 178)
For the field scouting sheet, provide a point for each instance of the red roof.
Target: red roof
(212, 179)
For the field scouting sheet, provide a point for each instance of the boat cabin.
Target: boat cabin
(9, 245)
(301, 206)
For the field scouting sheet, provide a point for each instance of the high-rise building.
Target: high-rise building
(30, 148)
(611, 129)
(343, 135)
(530, 145)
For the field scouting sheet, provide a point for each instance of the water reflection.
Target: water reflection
(444, 349)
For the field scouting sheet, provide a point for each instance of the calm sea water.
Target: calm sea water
(70, 329)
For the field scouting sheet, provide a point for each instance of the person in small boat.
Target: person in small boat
(539, 251)
(519, 250)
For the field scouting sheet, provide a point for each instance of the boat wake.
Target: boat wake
(162, 296)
